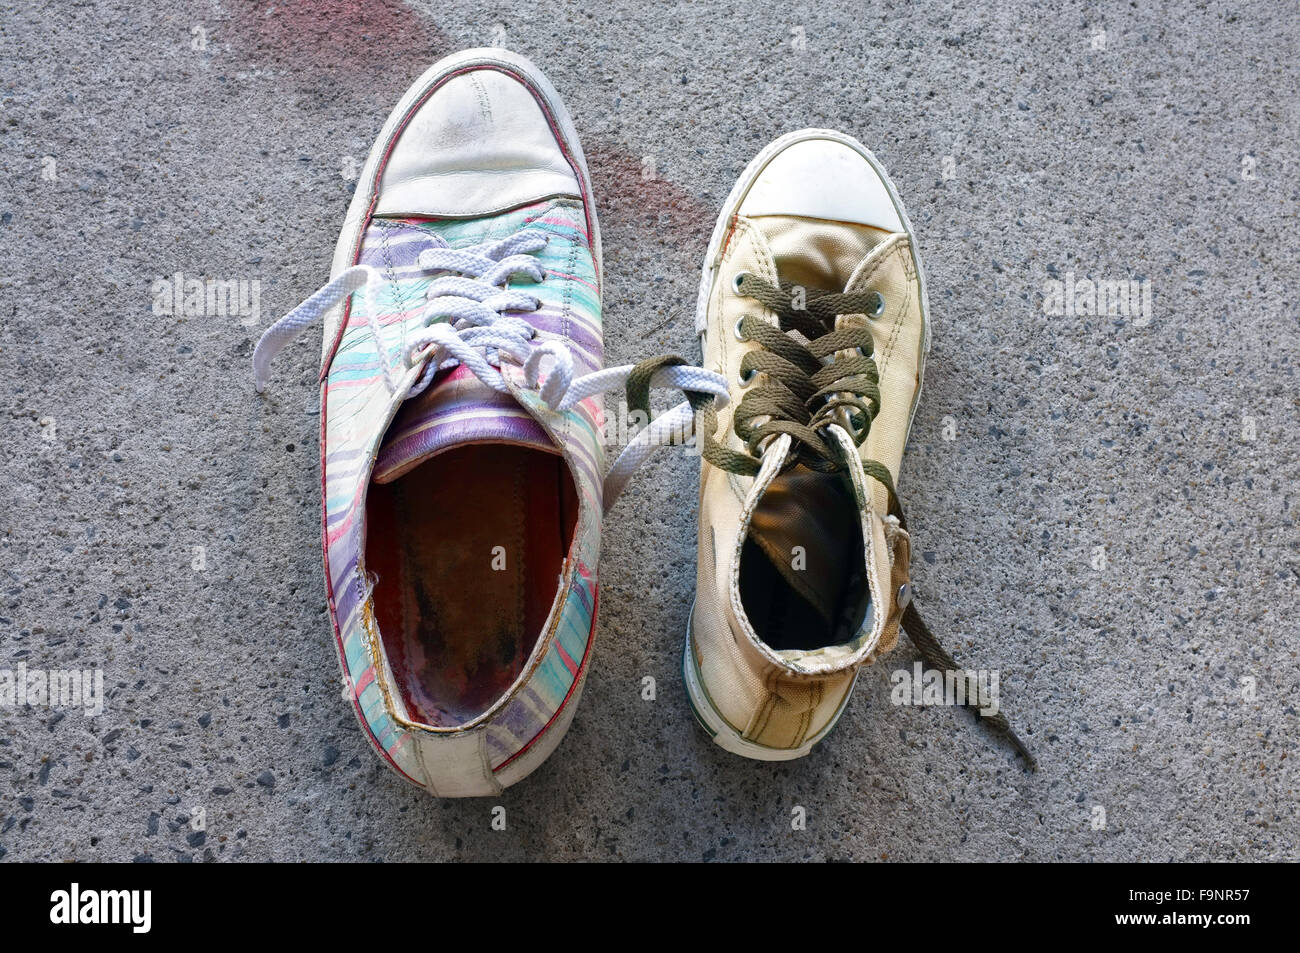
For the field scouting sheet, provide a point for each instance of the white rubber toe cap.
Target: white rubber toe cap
(477, 144)
(822, 178)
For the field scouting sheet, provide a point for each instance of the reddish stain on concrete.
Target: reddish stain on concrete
(334, 35)
(651, 211)
(632, 195)
(369, 51)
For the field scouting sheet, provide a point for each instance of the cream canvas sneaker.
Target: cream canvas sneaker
(812, 305)
(462, 461)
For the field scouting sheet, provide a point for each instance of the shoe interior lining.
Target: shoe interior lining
(468, 549)
(802, 577)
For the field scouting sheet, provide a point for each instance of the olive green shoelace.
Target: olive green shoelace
(801, 395)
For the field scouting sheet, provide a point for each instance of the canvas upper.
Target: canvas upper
(478, 149)
(817, 562)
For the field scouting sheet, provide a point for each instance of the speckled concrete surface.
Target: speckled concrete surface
(1153, 142)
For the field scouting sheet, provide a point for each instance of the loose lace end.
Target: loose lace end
(938, 658)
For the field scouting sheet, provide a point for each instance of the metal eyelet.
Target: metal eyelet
(747, 377)
(739, 277)
(740, 336)
(847, 421)
(904, 596)
(877, 305)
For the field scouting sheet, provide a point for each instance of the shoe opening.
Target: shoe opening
(803, 581)
(468, 549)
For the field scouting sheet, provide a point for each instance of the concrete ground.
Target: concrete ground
(1104, 507)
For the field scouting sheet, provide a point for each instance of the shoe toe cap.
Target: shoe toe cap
(825, 179)
(480, 142)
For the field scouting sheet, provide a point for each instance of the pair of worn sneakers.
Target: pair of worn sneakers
(462, 456)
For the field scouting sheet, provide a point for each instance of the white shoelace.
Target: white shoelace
(470, 300)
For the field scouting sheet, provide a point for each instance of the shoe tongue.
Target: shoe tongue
(456, 410)
(814, 512)
(818, 254)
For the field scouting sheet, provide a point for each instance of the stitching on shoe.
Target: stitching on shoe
(566, 302)
(897, 329)
(385, 248)
(768, 270)
(566, 323)
(886, 351)
(764, 714)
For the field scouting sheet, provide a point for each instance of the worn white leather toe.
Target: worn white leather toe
(476, 143)
(822, 176)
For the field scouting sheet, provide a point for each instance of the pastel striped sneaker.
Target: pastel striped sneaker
(812, 304)
(461, 426)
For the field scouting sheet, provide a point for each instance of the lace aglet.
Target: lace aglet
(937, 657)
(1000, 726)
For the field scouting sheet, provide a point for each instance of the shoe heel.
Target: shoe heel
(723, 735)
